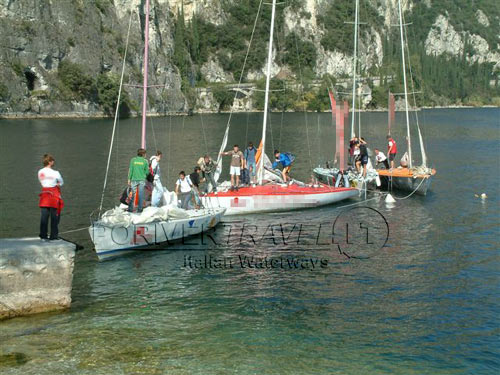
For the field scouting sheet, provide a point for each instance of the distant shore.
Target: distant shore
(102, 115)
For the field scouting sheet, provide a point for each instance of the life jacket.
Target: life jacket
(394, 148)
(51, 197)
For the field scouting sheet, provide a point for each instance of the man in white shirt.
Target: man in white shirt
(183, 189)
(50, 202)
(157, 186)
(381, 158)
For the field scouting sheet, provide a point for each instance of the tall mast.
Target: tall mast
(354, 67)
(145, 81)
(266, 100)
(404, 82)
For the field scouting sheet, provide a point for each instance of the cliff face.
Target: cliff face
(39, 35)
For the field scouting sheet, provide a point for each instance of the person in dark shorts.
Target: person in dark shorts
(392, 150)
(363, 156)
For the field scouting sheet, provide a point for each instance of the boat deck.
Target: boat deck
(403, 172)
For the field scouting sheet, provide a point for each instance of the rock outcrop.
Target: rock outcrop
(35, 276)
(37, 36)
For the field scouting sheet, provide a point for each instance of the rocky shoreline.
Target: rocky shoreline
(102, 115)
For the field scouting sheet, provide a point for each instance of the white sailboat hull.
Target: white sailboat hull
(111, 241)
(246, 201)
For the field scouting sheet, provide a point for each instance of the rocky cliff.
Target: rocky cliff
(65, 56)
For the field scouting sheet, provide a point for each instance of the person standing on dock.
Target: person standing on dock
(157, 186)
(392, 150)
(137, 173)
(51, 202)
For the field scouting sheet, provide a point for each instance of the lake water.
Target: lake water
(426, 303)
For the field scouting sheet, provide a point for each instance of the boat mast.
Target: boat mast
(404, 82)
(145, 81)
(266, 100)
(355, 62)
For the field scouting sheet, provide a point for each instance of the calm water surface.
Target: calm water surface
(427, 303)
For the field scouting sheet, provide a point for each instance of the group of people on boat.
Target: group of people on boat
(359, 154)
(188, 187)
(243, 167)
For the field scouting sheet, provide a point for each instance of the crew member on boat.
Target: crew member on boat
(137, 173)
(157, 186)
(392, 150)
(195, 180)
(51, 202)
(183, 189)
(237, 162)
(250, 153)
(208, 168)
(286, 159)
(363, 156)
(381, 158)
(352, 146)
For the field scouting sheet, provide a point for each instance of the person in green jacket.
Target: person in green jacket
(137, 172)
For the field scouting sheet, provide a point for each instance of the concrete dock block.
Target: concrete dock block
(35, 276)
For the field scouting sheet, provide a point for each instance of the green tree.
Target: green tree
(107, 95)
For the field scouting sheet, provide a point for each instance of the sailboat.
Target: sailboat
(271, 194)
(410, 179)
(117, 231)
(329, 174)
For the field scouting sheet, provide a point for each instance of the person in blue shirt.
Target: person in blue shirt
(249, 155)
(286, 160)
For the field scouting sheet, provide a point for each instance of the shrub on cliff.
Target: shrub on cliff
(4, 93)
(76, 84)
(107, 86)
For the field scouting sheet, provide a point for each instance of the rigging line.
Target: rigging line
(271, 128)
(204, 135)
(301, 95)
(281, 127)
(116, 113)
(152, 128)
(219, 157)
(413, 192)
(246, 132)
(169, 148)
(422, 143)
(319, 139)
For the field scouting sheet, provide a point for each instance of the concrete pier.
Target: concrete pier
(35, 276)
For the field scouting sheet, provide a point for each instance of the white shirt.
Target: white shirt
(49, 177)
(155, 167)
(185, 185)
(380, 157)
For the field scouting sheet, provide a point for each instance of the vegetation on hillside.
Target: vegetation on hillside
(441, 80)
